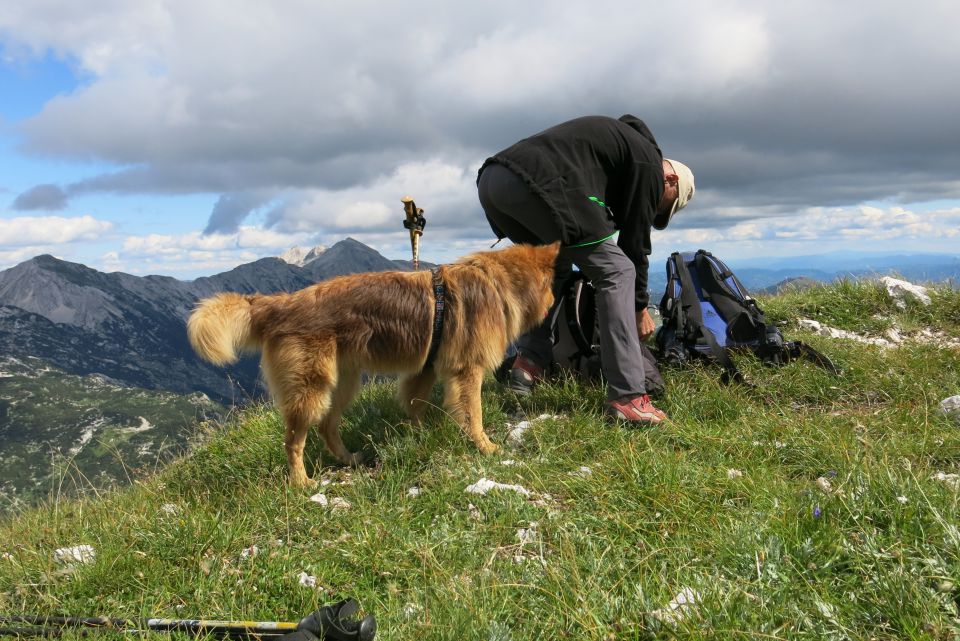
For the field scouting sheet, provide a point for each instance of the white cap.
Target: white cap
(685, 189)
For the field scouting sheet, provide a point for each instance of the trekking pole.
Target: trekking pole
(415, 222)
(332, 622)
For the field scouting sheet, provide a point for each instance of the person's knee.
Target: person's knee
(616, 275)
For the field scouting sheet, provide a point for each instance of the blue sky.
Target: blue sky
(186, 138)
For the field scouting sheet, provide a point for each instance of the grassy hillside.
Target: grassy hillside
(65, 433)
(811, 507)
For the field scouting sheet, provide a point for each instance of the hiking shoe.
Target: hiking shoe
(524, 374)
(635, 409)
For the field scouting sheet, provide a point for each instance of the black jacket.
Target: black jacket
(598, 175)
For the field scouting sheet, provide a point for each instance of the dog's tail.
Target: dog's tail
(220, 326)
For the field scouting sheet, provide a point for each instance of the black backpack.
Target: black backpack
(707, 312)
(576, 337)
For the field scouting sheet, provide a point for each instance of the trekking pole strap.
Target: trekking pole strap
(798, 349)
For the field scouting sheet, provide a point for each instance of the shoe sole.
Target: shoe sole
(645, 417)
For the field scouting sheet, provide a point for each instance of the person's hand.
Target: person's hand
(645, 325)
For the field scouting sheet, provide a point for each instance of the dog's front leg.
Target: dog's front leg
(462, 398)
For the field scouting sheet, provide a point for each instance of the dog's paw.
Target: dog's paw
(301, 481)
(487, 446)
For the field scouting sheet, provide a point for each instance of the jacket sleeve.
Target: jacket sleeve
(634, 215)
(634, 240)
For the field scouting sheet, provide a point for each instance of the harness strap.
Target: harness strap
(439, 293)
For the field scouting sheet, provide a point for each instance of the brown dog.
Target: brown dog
(317, 341)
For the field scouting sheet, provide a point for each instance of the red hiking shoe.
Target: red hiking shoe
(635, 409)
(524, 374)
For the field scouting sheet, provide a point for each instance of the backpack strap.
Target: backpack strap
(571, 310)
(694, 329)
(718, 283)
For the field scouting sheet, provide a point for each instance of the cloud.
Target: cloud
(9, 258)
(195, 252)
(51, 230)
(47, 197)
(772, 105)
(817, 228)
(230, 210)
(246, 238)
(312, 121)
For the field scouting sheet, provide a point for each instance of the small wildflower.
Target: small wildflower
(816, 511)
(413, 492)
(734, 474)
(902, 500)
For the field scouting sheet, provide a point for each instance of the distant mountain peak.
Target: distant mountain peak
(301, 256)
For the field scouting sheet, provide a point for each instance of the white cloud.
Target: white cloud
(329, 112)
(9, 258)
(816, 227)
(246, 238)
(51, 230)
(446, 191)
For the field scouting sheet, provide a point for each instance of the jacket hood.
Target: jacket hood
(641, 128)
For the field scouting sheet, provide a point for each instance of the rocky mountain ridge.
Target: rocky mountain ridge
(132, 328)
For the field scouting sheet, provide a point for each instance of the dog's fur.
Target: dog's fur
(316, 342)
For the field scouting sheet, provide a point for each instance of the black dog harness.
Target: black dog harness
(438, 295)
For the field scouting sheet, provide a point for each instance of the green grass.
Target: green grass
(770, 554)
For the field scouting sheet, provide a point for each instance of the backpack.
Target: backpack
(707, 313)
(576, 337)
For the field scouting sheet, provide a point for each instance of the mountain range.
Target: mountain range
(131, 328)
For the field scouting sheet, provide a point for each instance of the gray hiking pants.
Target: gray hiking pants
(512, 208)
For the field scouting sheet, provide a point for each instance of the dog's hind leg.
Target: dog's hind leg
(302, 388)
(414, 393)
(462, 399)
(347, 385)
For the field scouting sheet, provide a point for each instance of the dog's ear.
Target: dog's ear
(549, 253)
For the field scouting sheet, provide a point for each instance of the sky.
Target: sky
(185, 137)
